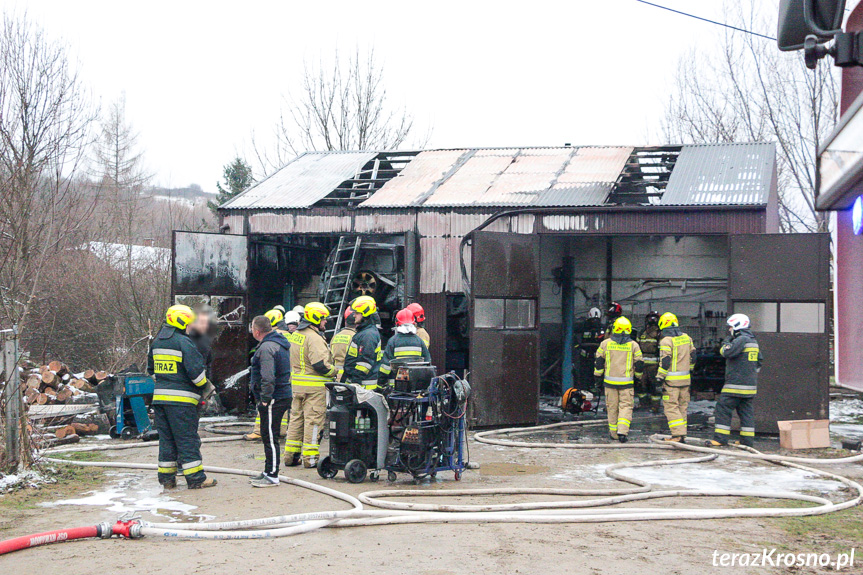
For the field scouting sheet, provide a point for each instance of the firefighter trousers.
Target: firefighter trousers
(306, 428)
(675, 400)
(179, 443)
(725, 408)
(618, 405)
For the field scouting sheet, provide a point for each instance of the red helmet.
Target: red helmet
(418, 311)
(615, 310)
(405, 316)
(348, 312)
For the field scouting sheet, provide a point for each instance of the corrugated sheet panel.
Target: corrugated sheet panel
(453, 281)
(433, 264)
(659, 222)
(726, 174)
(234, 223)
(384, 222)
(566, 194)
(416, 180)
(302, 182)
(298, 224)
(590, 165)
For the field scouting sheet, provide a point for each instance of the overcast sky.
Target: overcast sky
(200, 76)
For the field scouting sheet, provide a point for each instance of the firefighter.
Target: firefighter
(614, 311)
(277, 320)
(311, 368)
(591, 333)
(420, 320)
(341, 341)
(743, 361)
(364, 352)
(405, 344)
(618, 362)
(676, 358)
(646, 388)
(292, 320)
(181, 376)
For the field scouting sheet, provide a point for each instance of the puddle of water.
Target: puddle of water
(133, 493)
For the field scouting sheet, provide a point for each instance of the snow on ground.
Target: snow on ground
(846, 410)
(27, 478)
(132, 493)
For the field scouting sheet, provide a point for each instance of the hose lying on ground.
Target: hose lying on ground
(567, 511)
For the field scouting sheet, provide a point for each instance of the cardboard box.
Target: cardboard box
(804, 433)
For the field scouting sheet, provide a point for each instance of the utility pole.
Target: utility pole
(12, 396)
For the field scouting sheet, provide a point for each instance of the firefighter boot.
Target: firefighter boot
(209, 482)
(255, 435)
(294, 461)
(676, 439)
(621, 437)
(714, 443)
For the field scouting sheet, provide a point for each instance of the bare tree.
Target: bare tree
(748, 91)
(343, 107)
(45, 121)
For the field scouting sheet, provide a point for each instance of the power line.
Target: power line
(707, 20)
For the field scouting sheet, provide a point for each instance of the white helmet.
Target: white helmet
(281, 308)
(594, 313)
(292, 317)
(299, 309)
(738, 321)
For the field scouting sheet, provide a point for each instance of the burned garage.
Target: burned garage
(508, 250)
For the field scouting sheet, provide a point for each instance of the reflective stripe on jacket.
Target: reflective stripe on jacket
(743, 360)
(311, 364)
(403, 346)
(177, 366)
(676, 358)
(649, 344)
(618, 361)
(339, 349)
(424, 335)
(364, 354)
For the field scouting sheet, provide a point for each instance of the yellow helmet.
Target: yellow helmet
(668, 319)
(622, 325)
(179, 316)
(316, 312)
(365, 305)
(275, 316)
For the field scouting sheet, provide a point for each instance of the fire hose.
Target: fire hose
(390, 512)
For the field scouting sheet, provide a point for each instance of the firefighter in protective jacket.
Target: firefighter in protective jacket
(341, 341)
(420, 321)
(180, 374)
(405, 344)
(618, 363)
(743, 361)
(311, 368)
(648, 340)
(364, 352)
(676, 358)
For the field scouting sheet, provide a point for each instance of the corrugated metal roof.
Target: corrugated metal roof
(715, 174)
(304, 181)
(721, 174)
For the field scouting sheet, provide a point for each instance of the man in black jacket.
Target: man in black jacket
(181, 376)
(270, 377)
(743, 361)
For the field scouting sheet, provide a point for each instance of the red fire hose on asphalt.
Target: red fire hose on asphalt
(104, 530)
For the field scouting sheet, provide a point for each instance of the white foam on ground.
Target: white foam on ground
(217, 418)
(724, 473)
(131, 493)
(846, 410)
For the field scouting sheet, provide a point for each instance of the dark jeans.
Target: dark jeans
(725, 407)
(179, 443)
(271, 419)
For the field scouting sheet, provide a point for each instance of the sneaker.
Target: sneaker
(252, 436)
(622, 438)
(257, 477)
(209, 482)
(293, 461)
(266, 481)
(676, 439)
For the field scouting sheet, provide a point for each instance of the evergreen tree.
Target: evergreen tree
(237, 178)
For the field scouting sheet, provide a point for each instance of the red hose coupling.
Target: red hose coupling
(127, 529)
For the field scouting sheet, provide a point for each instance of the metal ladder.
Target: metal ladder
(336, 295)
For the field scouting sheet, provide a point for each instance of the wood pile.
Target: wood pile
(53, 383)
